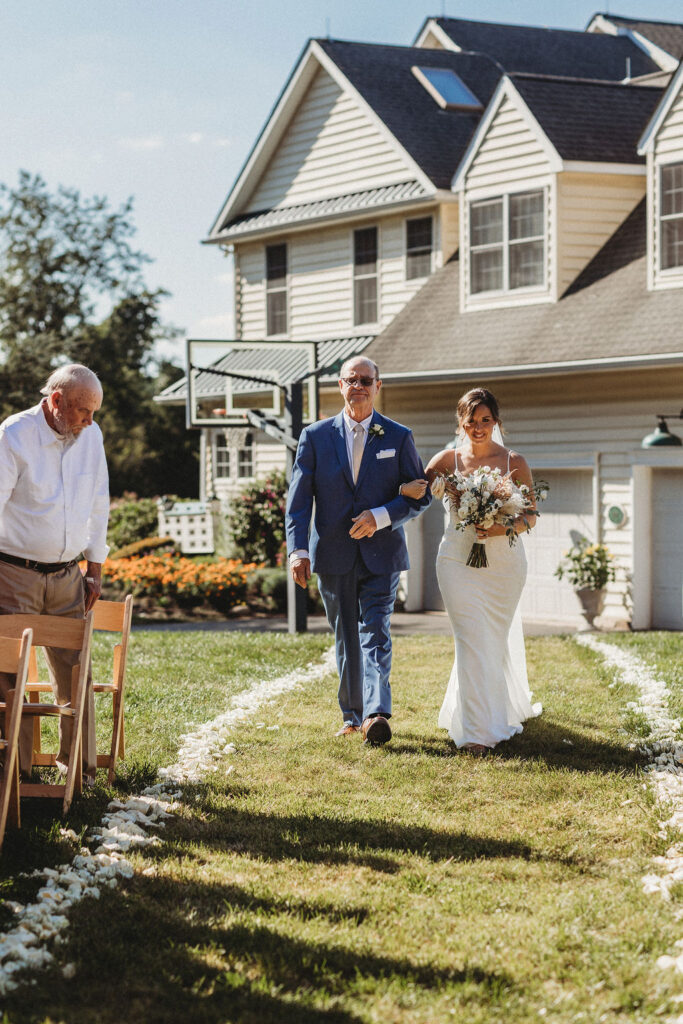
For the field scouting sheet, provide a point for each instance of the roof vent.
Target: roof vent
(447, 88)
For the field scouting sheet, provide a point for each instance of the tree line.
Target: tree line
(72, 289)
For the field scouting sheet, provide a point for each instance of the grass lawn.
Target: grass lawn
(322, 881)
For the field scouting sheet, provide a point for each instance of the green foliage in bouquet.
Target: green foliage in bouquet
(587, 566)
(256, 520)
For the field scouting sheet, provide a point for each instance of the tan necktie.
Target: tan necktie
(358, 445)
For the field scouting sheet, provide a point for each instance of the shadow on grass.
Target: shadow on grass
(187, 964)
(541, 740)
(330, 840)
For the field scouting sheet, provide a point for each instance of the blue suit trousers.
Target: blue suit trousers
(358, 605)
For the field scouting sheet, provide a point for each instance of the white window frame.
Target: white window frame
(365, 277)
(675, 271)
(276, 289)
(224, 449)
(419, 277)
(246, 450)
(505, 244)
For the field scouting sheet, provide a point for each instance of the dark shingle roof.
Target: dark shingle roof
(590, 120)
(608, 312)
(551, 51)
(667, 35)
(435, 138)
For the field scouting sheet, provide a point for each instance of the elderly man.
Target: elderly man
(54, 506)
(352, 467)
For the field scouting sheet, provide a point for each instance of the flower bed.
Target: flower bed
(167, 579)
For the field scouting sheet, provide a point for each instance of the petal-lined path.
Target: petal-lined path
(127, 825)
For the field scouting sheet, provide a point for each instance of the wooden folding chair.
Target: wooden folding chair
(73, 635)
(112, 617)
(14, 655)
(115, 617)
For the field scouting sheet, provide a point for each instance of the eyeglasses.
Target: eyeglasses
(358, 382)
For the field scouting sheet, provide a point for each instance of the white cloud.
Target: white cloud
(194, 138)
(217, 326)
(143, 143)
(227, 278)
(223, 142)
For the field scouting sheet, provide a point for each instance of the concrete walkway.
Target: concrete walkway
(402, 624)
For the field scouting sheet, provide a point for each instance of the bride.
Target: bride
(488, 695)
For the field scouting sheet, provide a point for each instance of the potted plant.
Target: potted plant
(589, 568)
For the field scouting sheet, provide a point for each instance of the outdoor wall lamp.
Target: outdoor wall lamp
(661, 435)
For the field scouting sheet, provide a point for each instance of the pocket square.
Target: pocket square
(386, 453)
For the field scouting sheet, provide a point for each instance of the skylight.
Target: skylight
(447, 88)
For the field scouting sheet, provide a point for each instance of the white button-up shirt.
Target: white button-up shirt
(54, 494)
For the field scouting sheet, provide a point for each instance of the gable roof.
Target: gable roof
(590, 121)
(667, 100)
(665, 35)
(548, 51)
(606, 318)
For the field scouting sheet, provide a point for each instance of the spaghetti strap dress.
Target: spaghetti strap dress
(488, 696)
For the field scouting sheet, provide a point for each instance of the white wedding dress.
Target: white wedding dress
(488, 696)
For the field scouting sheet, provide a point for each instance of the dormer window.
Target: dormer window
(671, 253)
(447, 88)
(507, 243)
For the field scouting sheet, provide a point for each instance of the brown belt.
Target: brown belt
(28, 563)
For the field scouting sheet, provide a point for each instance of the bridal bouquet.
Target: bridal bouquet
(483, 498)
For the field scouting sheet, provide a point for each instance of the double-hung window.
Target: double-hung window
(507, 243)
(365, 276)
(671, 219)
(276, 289)
(221, 456)
(245, 458)
(418, 248)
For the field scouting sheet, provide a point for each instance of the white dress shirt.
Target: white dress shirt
(54, 493)
(382, 517)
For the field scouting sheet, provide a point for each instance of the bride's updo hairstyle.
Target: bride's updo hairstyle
(469, 402)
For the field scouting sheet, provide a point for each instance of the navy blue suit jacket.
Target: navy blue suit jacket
(322, 476)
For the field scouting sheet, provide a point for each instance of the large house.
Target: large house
(495, 204)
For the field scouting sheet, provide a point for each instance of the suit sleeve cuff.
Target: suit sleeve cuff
(382, 517)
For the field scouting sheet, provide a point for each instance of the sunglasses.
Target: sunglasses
(358, 382)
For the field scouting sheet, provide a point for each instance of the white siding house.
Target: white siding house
(523, 229)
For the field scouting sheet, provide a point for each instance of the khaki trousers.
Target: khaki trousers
(23, 591)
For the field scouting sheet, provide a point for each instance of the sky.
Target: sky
(162, 100)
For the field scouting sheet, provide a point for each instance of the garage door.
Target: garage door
(667, 549)
(566, 515)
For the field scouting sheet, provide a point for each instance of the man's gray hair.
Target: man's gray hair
(73, 375)
(365, 359)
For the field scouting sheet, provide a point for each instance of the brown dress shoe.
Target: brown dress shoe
(376, 730)
(347, 728)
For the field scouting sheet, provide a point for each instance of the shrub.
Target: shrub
(169, 578)
(144, 547)
(267, 591)
(256, 520)
(587, 565)
(131, 519)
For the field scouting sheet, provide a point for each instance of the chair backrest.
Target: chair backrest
(50, 630)
(113, 616)
(14, 652)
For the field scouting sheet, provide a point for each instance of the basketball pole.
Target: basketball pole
(297, 597)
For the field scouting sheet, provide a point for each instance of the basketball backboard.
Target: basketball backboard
(227, 378)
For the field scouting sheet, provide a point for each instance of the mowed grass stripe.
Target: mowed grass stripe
(325, 881)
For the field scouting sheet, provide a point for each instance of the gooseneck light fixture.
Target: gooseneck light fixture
(661, 437)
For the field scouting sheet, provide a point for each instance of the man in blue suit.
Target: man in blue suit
(353, 467)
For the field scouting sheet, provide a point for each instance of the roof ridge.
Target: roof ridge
(636, 21)
(570, 80)
(508, 24)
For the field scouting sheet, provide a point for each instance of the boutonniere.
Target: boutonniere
(376, 430)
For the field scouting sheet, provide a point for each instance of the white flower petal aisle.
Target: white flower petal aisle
(664, 751)
(127, 825)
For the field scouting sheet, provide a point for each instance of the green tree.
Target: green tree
(72, 289)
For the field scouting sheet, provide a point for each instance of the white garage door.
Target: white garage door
(565, 515)
(667, 549)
